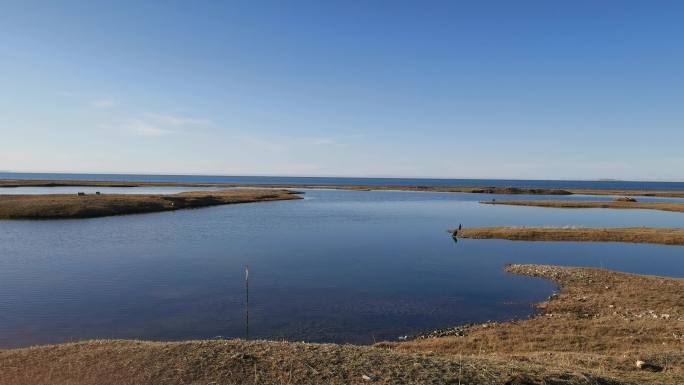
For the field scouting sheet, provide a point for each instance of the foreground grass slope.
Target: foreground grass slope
(664, 236)
(263, 362)
(61, 206)
(600, 321)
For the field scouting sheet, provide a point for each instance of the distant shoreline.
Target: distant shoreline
(64, 175)
(13, 183)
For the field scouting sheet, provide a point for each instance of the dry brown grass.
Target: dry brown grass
(664, 236)
(600, 321)
(60, 206)
(262, 362)
(664, 206)
(630, 193)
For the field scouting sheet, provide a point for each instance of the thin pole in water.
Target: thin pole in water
(247, 303)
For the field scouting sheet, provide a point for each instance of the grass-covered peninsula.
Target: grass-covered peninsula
(624, 326)
(63, 206)
(663, 236)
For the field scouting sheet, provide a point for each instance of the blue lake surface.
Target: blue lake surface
(341, 266)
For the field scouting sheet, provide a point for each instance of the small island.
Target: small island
(663, 236)
(63, 206)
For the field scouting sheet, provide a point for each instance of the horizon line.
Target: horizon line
(347, 177)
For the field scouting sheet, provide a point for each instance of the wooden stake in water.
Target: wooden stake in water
(247, 303)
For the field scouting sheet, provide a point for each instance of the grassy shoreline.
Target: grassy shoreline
(13, 183)
(663, 236)
(67, 206)
(591, 332)
(239, 362)
(621, 205)
(600, 321)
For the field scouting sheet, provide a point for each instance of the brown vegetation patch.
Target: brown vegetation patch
(664, 236)
(600, 321)
(61, 206)
(643, 193)
(617, 204)
(262, 362)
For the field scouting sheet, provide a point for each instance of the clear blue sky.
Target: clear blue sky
(510, 89)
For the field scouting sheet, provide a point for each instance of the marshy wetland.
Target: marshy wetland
(337, 266)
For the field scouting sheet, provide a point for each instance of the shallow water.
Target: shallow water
(343, 266)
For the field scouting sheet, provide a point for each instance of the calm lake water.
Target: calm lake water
(342, 266)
